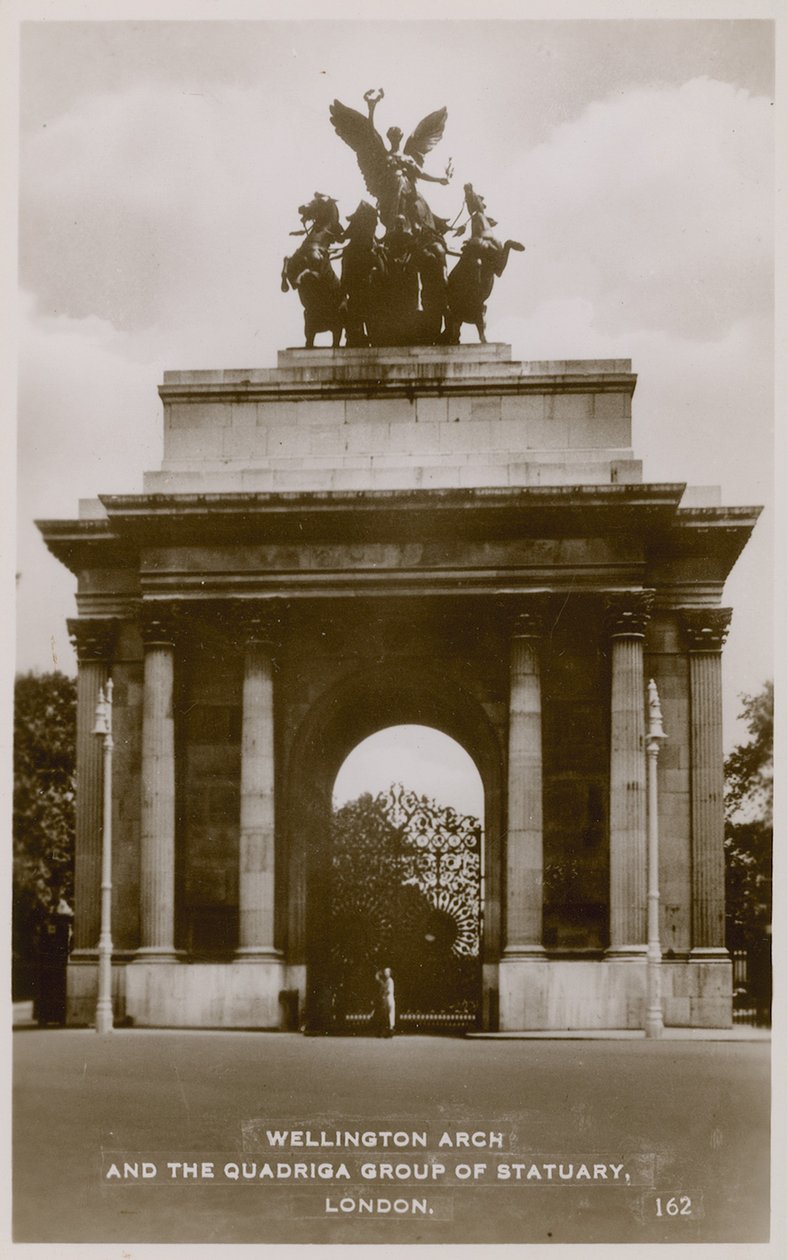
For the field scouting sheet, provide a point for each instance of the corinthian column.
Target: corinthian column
(525, 841)
(256, 890)
(706, 630)
(157, 840)
(628, 613)
(92, 639)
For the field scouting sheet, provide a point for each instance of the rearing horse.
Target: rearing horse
(470, 283)
(310, 273)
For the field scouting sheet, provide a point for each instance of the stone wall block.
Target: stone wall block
(459, 409)
(465, 437)
(478, 475)
(286, 441)
(612, 405)
(569, 406)
(522, 408)
(414, 438)
(273, 415)
(431, 410)
(370, 439)
(487, 409)
(548, 434)
(326, 439)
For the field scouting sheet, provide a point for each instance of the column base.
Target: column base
(523, 953)
(709, 953)
(619, 953)
(257, 953)
(157, 954)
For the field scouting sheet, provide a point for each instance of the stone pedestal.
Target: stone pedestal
(398, 418)
(212, 995)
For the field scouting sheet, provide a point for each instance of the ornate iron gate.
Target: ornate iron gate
(406, 892)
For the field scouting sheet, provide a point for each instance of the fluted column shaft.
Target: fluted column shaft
(525, 842)
(157, 840)
(92, 640)
(628, 614)
(706, 630)
(256, 885)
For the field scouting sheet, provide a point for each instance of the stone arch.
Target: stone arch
(348, 711)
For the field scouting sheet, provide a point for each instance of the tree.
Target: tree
(749, 826)
(44, 794)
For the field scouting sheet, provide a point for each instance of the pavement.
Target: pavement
(168, 1136)
(23, 1018)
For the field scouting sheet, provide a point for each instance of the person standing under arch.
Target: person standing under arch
(386, 1001)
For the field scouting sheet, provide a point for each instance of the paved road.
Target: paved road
(686, 1121)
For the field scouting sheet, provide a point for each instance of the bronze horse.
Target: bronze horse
(361, 263)
(470, 283)
(310, 273)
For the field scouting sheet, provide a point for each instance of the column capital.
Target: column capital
(530, 615)
(256, 622)
(160, 624)
(627, 613)
(705, 628)
(92, 637)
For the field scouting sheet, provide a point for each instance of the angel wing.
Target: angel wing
(366, 142)
(427, 134)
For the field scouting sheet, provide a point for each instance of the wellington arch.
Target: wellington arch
(366, 536)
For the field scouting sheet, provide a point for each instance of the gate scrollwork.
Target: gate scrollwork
(405, 887)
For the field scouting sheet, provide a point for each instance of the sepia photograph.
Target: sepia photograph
(393, 702)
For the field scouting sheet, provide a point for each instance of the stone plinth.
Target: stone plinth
(212, 995)
(449, 416)
(611, 994)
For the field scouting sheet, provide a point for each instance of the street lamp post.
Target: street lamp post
(654, 1018)
(103, 727)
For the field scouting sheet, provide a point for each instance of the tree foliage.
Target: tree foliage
(44, 796)
(749, 825)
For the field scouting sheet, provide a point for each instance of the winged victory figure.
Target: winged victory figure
(391, 175)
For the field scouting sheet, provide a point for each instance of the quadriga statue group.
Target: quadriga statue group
(394, 286)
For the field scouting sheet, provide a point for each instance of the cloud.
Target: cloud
(655, 206)
(156, 207)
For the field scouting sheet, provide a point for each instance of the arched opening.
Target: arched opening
(405, 881)
(334, 731)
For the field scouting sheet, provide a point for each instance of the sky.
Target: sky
(423, 759)
(161, 165)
